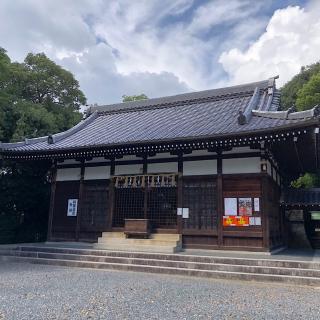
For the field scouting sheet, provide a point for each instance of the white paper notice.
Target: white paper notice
(256, 204)
(230, 207)
(252, 221)
(179, 211)
(72, 207)
(185, 213)
(258, 221)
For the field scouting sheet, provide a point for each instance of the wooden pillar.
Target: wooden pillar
(80, 199)
(264, 208)
(52, 198)
(145, 199)
(111, 194)
(180, 191)
(220, 198)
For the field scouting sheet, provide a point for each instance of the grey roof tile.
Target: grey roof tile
(207, 113)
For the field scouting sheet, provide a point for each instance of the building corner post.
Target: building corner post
(111, 197)
(80, 201)
(53, 174)
(180, 191)
(220, 198)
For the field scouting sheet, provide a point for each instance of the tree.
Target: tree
(309, 95)
(141, 96)
(37, 97)
(308, 180)
(46, 82)
(289, 92)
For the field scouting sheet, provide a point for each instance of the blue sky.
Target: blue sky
(116, 47)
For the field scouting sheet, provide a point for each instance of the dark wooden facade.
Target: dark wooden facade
(104, 205)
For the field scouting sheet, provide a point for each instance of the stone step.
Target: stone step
(133, 242)
(138, 247)
(172, 264)
(113, 235)
(158, 236)
(217, 274)
(166, 236)
(167, 243)
(268, 262)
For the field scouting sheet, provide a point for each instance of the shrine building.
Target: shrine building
(202, 170)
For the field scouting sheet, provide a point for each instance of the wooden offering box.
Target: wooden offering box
(137, 227)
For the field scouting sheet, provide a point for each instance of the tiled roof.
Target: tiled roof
(210, 113)
(301, 197)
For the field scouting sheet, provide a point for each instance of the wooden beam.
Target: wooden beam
(111, 198)
(220, 198)
(264, 210)
(145, 199)
(52, 198)
(80, 199)
(180, 191)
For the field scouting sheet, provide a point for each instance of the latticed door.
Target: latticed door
(200, 196)
(162, 206)
(151, 197)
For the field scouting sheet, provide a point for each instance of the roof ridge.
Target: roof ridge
(183, 98)
(176, 104)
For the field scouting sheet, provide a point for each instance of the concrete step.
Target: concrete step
(171, 264)
(268, 262)
(217, 274)
(176, 257)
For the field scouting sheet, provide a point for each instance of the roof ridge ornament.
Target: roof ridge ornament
(50, 139)
(289, 114)
(245, 116)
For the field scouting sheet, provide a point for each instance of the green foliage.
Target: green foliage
(309, 95)
(141, 96)
(46, 82)
(289, 92)
(24, 199)
(37, 97)
(308, 180)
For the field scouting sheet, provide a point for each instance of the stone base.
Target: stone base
(168, 243)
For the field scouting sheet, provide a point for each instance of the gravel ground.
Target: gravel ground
(47, 292)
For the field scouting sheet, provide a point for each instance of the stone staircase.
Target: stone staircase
(219, 267)
(158, 242)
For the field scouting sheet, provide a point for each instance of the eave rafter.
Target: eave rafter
(186, 145)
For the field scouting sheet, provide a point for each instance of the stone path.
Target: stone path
(46, 292)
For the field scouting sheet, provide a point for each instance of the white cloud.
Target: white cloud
(180, 48)
(291, 40)
(165, 47)
(98, 74)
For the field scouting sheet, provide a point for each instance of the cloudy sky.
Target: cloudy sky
(116, 47)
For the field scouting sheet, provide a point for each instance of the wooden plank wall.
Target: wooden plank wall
(93, 207)
(96, 202)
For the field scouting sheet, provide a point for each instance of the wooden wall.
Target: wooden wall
(253, 238)
(64, 227)
(92, 210)
(202, 194)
